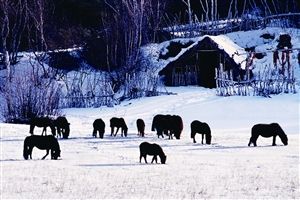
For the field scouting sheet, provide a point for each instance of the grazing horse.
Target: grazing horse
(41, 142)
(99, 126)
(201, 128)
(62, 126)
(118, 123)
(168, 125)
(42, 122)
(152, 150)
(141, 127)
(267, 130)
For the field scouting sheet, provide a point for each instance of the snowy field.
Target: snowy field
(109, 168)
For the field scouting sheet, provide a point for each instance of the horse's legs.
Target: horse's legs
(94, 133)
(101, 134)
(145, 156)
(31, 129)
(59, 132)
(30, 152)
(46, 154)
(253, 140)
(202, 138)
(44, 131)
(274, 140)
(117, 131)
(194, 140)
(141, 156)
(250, 141)
(154, 159)
(112, 131)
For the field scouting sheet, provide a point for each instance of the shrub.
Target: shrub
(27, 96)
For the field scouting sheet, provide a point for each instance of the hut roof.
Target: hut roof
(238, 54)
(223, 42)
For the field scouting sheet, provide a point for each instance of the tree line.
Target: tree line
(111, 30)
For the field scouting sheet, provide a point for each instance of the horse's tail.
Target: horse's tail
(25, 149)
(154, 123)
(193, 132)
(180, 123)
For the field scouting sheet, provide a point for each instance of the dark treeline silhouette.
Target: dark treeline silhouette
(111, 31)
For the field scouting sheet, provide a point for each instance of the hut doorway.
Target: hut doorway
(197, 70)
(207, 60)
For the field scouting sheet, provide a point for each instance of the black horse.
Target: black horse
(153, 150)
(118, 123)
(268, 130)
(42, 142)
(201, 128)
(99, 126)
(43, 122)
(140, 127)
(63, 127)
(168, 125)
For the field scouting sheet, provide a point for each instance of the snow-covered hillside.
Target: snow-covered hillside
(109, 168)
(240, 40)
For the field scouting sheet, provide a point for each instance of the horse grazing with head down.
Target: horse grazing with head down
(62, 126)
(140, 127)
(267, 130)
(201, 128)
(41, 142)
(118, 123)
(99, 126)
(43, 122)
(153, 150)
(168, 125)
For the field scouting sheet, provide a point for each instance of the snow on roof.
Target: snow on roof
(238, 54)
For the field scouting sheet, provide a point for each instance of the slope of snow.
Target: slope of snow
(234, 44)
(248, 39)
(110, 168)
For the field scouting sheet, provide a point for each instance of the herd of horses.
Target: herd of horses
(168, 125)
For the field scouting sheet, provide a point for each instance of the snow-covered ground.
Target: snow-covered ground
(109, 168)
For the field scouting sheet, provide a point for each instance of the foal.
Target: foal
(153, 150)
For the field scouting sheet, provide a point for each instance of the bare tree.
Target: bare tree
(188, 4)
(5, 32)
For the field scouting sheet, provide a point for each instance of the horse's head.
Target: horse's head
(25, 155)
(281, 134)
(284, 139)
(67, 131)
(55, 154)
(55, 151)
(53, 129)
(208, 138)
(125, 129)
(163, 159)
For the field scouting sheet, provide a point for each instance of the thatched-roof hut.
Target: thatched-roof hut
(196, 64)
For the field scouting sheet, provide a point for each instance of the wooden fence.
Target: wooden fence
(87, 101)
(270, 81)
(285, 20)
